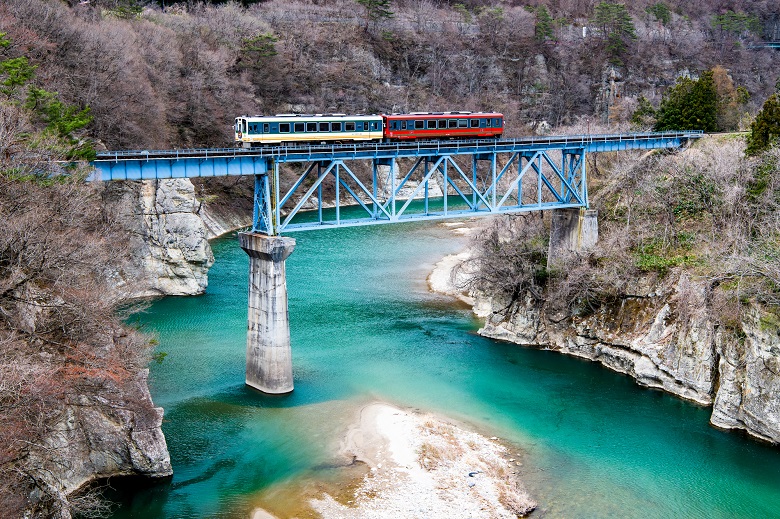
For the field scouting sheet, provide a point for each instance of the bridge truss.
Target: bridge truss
(394, 182)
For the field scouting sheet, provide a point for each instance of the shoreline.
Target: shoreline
(397, 462)
(419, 466)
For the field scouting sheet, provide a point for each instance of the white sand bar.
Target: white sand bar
(424, 467)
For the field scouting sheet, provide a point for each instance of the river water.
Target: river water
(365, 327)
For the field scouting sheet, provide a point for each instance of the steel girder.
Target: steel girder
(431, 187)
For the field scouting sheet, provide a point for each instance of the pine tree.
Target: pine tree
(690, 105)
(644, 115)
(616, 27)
(660, 11)
(765, 130)
(543, 30)
(376, 10)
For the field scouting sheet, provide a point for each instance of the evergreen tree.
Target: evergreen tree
(765, 130)
(690, 105)
(543, 30)
(660, 11)
(616, 27)
(644, 115)
(376, 10)
(60, 119)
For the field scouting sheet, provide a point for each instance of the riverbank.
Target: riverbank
(422, 466)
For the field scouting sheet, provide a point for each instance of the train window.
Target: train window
(350, 127)
(442, 123)
(284, 127)
(463, 123)
(324, 127)
(453, 123)
(266, 128)
(475, 123)
(498, 123)
(311, 127)
(419, 125)
(335, 127)
(299, 127)
(430, 124)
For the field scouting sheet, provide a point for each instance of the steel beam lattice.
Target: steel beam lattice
(420, 180)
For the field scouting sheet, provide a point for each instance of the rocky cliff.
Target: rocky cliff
(98, 437)
(171, 253)
(664, 335)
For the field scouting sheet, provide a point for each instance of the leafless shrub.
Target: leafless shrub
(61, 341)
(509, 259)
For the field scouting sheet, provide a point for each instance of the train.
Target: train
(258, 130)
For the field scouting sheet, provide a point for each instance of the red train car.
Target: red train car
(443, 125)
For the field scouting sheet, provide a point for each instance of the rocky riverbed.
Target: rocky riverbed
(422, 466)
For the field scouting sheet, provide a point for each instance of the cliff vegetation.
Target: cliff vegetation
(681, 290)
(74, 405)
(166, 74)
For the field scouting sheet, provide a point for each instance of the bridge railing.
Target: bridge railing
(285, 152)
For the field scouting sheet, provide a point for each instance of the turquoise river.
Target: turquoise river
(365, 327)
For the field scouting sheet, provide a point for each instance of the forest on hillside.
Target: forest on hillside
(163, 74)
(80, 74)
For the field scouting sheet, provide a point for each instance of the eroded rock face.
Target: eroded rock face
(748, 396)
(172, 255)
(97, 438)
(665, 337)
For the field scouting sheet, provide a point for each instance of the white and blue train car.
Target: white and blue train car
(283, 128)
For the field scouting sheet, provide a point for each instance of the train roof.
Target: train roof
(445, 114)
(287, 117)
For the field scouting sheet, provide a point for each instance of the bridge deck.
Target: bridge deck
(158, 164)
(532, 174)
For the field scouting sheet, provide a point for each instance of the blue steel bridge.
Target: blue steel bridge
(449, 179)
(481, 177)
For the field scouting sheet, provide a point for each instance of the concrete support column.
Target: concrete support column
(268, 352)
(572, 230)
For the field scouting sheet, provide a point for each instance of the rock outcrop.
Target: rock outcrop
(663, 335)
(96, 439)
(171, 254)
(748, 394)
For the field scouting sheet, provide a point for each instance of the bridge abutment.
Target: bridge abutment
(268, 351)
(572, 229)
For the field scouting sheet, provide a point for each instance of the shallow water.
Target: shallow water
(364, 327)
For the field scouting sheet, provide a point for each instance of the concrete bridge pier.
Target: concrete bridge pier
(572, 229)
(268, 352)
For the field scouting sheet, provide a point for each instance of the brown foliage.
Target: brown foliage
(177, 77)
(61, 340)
